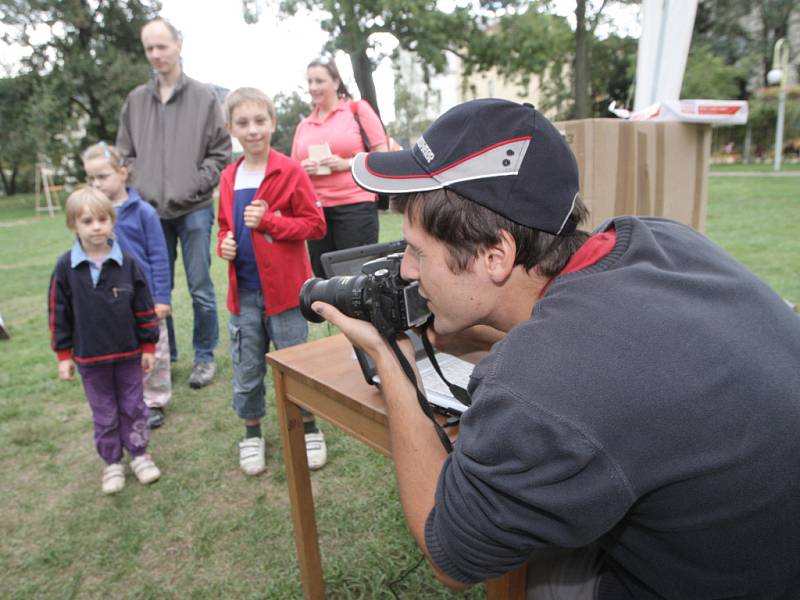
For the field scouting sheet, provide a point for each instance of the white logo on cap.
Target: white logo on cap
(425, 149)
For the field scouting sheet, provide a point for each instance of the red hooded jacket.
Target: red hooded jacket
(293, 216)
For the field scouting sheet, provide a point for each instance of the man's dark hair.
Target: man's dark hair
(466, 227)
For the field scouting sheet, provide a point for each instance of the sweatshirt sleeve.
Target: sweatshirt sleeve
(60, 316)
(225, 200)
(157, 257)
(218, 149)
(144, 311)
(124, 139)
(306, 221)
(519, 479)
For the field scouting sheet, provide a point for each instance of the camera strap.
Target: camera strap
(423, 402)
(458, 392)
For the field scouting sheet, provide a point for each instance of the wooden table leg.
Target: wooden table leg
(290, 421)
(511, 586)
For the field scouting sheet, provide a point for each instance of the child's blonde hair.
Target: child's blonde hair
(88, 198)
(103, 150)
(247, 94)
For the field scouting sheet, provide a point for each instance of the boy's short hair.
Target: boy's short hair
(247, 94)
(93, 199)
(103, 150)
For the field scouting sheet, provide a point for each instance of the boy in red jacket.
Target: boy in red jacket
(267, 211)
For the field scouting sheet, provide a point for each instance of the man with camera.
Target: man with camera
(635, 432)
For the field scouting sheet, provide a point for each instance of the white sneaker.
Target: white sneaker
(251, 456)
(145, 469)
(113, 478)
(316, 451)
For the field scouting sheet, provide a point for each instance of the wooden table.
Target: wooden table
(323, 377)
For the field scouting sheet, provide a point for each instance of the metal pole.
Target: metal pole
(779, 129)
(780, 64)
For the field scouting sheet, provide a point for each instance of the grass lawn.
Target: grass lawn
(205, 530)
(754, 167)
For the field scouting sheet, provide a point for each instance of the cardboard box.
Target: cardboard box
(642, 168)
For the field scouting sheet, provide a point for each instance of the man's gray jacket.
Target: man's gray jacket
(176, 150)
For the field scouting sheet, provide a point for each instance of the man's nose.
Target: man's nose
(408, 268)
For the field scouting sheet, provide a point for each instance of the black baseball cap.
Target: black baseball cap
(505, 156)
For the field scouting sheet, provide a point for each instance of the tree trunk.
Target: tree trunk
(3, 179)
(9, 185)
(12, 186)
(581, 75)
(362, 70)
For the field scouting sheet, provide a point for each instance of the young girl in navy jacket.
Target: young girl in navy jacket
(102, 318)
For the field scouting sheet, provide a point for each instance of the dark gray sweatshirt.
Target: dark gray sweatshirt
(652, 405)
(175, 150)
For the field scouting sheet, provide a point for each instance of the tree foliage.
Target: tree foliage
(520, 44)
(15, 122)
(82, 70)
(743, 34)
(419, 26)
(290, 109)
(710, 76)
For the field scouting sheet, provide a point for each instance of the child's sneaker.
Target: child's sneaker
(145, 469)
(113, 478)
(251, 456)
(316, 451)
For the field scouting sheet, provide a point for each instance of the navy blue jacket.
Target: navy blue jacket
(114, 321)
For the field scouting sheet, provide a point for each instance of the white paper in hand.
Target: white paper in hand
(317, 152)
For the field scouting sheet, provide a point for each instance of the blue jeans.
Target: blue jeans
(194, 232)
(251, 332)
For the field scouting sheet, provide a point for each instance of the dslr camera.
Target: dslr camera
(378, 295)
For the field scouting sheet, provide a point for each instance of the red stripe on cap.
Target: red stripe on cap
(450, 166)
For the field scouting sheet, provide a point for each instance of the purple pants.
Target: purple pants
(116, 396)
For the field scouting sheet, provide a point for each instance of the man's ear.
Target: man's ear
(498, 259)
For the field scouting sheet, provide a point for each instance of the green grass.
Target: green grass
(204, 530)
(754, 167)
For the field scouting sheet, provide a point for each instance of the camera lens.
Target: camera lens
(345, 293)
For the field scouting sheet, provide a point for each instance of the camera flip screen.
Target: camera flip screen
(416, 308)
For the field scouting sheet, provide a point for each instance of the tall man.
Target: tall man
(174, 140)
(635, 433)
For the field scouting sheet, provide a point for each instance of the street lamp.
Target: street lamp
(777, 76)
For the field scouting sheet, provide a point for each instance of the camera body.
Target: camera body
(379, 295)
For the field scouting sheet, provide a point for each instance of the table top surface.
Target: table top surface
(329, 365)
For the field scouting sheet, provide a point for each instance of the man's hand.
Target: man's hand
(254, 212)
(163, 310)
(361, 333)
(66, 369)
(364, 335)
(148, 361)
(228, 247)
(471, 344)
